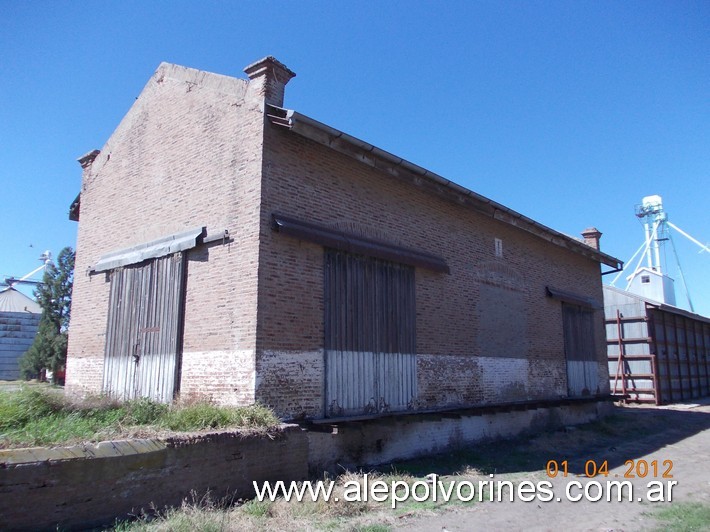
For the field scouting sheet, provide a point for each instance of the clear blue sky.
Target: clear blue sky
(568, 112)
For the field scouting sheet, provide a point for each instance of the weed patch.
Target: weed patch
(685, 517)
(42, 416)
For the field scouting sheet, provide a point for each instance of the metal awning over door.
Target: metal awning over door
(157, 248)
(145, 316)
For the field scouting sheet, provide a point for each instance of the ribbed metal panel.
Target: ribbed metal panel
(682, 344)
(398, 373)
(665, 351)
(638, 367)
(370, 334)
(351, 382)
(17, 333)
(582, 377)
(144, 325)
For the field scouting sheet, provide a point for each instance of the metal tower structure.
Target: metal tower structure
(654, 220)
(46, 259)
(651, 280)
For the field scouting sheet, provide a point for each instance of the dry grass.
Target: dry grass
(206, 514)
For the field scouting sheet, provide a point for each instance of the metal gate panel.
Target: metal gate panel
(370, 323)
(142, 334)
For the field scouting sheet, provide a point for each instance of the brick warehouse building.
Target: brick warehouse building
(233, 249)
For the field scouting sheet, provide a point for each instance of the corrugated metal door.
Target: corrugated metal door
(580, 350)
(17, 333)
(370, 324)
(143, 331)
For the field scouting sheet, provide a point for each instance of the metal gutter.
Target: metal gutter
(618, 269)
(371, 155)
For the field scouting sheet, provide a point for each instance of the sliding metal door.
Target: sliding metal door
(142, 357)
(580, 350)
(370, 324)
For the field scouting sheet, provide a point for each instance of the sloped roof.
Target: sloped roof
(657, 304)
(368, 154)
(12, 300)
(394, 165)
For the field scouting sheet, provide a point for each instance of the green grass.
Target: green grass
(256, 508)
(685, 517)
(35, 416)
(205, 415)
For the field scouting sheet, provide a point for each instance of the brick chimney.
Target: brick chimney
(267, 80)
(591, 237)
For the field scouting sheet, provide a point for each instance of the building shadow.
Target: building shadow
(628, 433)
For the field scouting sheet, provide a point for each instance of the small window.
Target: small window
(499, 247)
(645, 279)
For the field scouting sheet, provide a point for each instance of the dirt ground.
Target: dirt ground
(680, 433)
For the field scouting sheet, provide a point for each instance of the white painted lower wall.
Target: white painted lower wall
(225, 377)
(84, 376)
(466, 380)
(505, 379)
(291, 382)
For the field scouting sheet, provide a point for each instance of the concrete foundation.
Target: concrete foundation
(351, 445)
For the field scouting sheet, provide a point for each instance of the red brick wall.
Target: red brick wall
(187, 154)
(308, 181)
(93, 485)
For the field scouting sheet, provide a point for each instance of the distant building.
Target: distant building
(19, 320)
(658, 353)
(652, 285)
(233, 249)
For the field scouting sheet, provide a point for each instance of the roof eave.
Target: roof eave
(396, 166)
